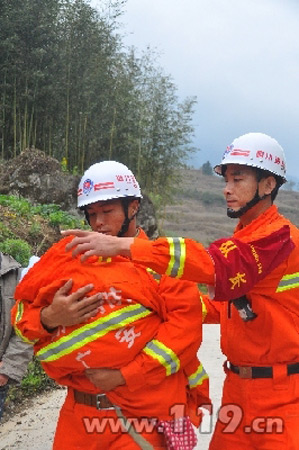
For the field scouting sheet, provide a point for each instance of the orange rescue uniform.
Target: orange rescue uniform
(138, 329)
(260, 404)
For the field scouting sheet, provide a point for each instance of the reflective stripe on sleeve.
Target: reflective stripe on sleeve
(197, 378)
(20, 311)
(21, 336)
(164, 355)
(177, 252)
(289, 281)
(92, 331)
(154, 274)
(19, 315)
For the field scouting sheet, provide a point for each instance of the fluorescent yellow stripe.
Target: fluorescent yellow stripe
(92, 331)
(20, 311)
(21, 336)
(177, 253)
(154, 274)
(290, 281)
(182, 257)
(197, 378)
(154, 355)
(102, 259)
(165, 355)
(172, 256)
(19, 315)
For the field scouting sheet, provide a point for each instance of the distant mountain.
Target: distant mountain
(199, 210)
(292, 184)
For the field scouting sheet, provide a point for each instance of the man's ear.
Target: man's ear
(270, 184)
(134, 207)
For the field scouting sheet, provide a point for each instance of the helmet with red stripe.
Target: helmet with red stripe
(107, 180)
(256, 150)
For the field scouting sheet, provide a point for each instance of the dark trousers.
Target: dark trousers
(3, 394)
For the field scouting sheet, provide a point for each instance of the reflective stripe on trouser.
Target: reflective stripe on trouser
(289, 281)
(164, 355)
(177, 252)
(91, 331)
(197, 378)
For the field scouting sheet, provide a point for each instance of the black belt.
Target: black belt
(260, 372)
(99, 401)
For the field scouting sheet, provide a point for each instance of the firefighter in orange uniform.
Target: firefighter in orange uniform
(121, 345)
(260, 320)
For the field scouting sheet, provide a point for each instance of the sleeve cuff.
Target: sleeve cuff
(141, 250)
(36, 329)
(133, 375)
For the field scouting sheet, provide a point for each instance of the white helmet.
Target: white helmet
(107, 180)
(255, 150)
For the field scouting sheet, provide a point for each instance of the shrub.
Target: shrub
(5, 232)
(36, 379)
(20, 206)
(17, 248)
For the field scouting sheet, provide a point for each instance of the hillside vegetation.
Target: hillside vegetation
(70, 87)
(199, 209)
(27, 229)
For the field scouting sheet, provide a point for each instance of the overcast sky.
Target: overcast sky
(240, 58)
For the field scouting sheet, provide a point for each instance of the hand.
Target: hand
(3, 379)
(70, 309)
(105, 379)
(89, 243)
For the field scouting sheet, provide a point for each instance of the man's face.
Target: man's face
(240, 185)
(106, 217)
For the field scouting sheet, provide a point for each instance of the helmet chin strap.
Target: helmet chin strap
(85, 214)
(124, 227)
(127, 221)
(236, 214)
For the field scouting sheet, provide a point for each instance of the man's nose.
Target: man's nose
(227, 188)
(99, 220)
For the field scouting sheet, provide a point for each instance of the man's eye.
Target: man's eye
(107, 211)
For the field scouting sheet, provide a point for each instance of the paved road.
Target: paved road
(33, 429)
(212, 359)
